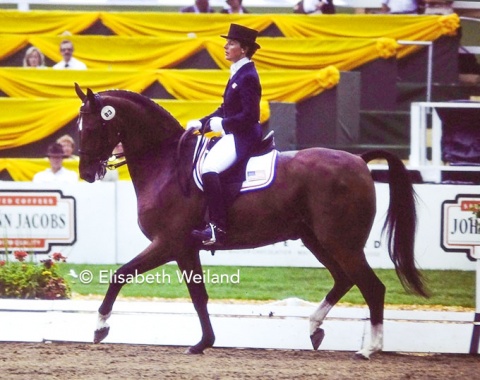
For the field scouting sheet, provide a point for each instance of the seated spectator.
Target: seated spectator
(400, 6)
(56, 173)
(315, 7)
(438, 7)
(68, 61)
(33, 58)
(201, 6)
(68, 145)
(234, 6)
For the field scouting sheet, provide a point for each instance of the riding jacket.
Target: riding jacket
(240, 109)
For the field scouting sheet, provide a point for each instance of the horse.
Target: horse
(322, 196)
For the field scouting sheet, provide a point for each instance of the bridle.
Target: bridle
(105, 161)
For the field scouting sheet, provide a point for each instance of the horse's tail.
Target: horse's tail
(401, 221)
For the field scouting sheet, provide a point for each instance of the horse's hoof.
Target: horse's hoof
(194, 351)
(317, 338)
(360, 356)
(100, 334)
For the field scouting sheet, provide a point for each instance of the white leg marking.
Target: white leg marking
(376, 342)
(318, 316)
(102, 321)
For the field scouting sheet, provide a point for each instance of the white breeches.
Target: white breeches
(222, 156)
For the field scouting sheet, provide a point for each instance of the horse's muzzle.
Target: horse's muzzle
(88, 172)
(88, 177)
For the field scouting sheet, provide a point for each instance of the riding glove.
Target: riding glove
(196, 124)
(216, 125)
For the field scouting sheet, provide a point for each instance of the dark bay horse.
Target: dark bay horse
(324, 197)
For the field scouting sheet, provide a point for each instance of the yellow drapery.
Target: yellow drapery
(277, 85)
(50, 83)
(114, 52)
(178, 24)
(45, 22)
(307, 53)
(24, 121)
(162, 24)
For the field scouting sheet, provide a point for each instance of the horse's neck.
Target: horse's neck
(143, 123)
(157, 164)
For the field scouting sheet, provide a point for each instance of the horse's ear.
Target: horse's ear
(79, 92)
(91, 97)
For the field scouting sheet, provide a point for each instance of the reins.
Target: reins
(185, 185)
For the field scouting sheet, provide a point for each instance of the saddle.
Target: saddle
(253, 173)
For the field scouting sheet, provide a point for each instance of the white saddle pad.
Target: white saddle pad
(259, 173)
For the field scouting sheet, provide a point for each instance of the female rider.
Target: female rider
(237, 120)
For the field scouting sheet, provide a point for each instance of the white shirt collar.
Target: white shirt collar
(237, 65)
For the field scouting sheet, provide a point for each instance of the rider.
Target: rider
(237, 120)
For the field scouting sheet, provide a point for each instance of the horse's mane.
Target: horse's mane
(147, 103)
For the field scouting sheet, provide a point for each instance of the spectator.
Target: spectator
(438, 7)
(33, 58)
(315, 6)
(56, 173)
(201, 6)
(234, 6)
(68, 145)
(400, 6)
(68, 61)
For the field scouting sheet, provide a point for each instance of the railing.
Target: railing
(418, 134)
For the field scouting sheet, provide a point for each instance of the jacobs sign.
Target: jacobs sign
(36, 220)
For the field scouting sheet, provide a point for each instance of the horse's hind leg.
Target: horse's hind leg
(348, 269)
(342, 284)
(373, 291)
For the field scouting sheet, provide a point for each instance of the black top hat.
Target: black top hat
(242, 33)
(55, 150)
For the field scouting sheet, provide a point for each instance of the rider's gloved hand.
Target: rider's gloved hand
(216, 125)
(193, 124)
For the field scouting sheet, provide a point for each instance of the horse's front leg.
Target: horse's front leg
(152, 257)
(191, 266)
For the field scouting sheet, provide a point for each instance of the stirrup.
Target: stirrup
(213, 232)
(210, 235)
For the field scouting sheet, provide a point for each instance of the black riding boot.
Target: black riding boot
(215, 231)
